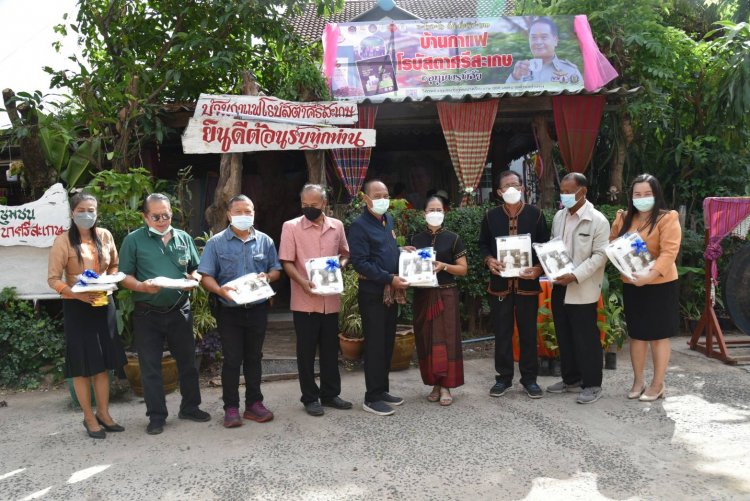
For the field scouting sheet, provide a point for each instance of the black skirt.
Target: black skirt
(652, 311)
(91, 342)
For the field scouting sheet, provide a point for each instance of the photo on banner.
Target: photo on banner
(437, 58)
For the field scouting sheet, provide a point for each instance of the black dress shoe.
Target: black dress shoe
(114, 427)
(314, 408)
(195, 415)
(336, 403)
(100, 433)
(155, 427)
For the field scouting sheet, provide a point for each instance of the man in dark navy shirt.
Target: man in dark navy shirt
(374, 254)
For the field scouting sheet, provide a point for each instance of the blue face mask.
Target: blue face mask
(568, 200)
(644, 204)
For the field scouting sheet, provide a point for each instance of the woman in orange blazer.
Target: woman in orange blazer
(652, 299)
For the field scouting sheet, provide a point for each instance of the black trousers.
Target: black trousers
(578, 339)
(379, 327)
(152, 328)
(317, 332)
(242, 332)
(522, 309)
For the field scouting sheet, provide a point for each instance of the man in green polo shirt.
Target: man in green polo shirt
(159, 250)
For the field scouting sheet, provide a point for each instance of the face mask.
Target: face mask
(380, 206)
(511, 196)
(644, 204)
(568, 200)
(311, 213)
(84, 220)
(243, 223)
(160, 233)
(434, 218)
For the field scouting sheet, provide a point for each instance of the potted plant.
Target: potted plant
(550, 360)
(351, 337)
(14, 171)
(612, 321)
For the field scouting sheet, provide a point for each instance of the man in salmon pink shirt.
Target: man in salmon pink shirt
(316, 317)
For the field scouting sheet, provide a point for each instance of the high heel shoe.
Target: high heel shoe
(636, 394)
(114, 427)
(100, 433)
(652, 398)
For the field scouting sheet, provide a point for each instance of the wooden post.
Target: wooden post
(316, 167)
(230, 171)
(547, 184)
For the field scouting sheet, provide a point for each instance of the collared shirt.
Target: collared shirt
(374, 252)
(63, 259)
(558, 70)
(301, 240)
(226, 257)
(145, 256)
(571, 220)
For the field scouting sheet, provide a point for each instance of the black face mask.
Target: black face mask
(311, 213)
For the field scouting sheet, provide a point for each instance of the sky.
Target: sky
(26, 40)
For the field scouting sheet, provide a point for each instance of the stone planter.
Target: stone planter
(351, 348)
(169, 374)
(403, 348)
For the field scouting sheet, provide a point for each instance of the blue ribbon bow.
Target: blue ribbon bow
(332, 264)
(424, 254)
(87, 274)
(639, 246)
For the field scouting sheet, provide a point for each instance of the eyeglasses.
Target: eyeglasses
(513, 185)
(160, 217)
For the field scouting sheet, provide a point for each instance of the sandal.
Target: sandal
(434, 395)
(445, 397)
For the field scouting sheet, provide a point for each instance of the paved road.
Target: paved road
(693, 445)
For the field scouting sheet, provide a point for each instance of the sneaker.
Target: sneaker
(562, 387)
(195, 415)
(380, 408)
(314, 408)
(232, 417)
(533, 390)
(391, 399)
(336, 403)
(499, 389)
(589, 395)
(257, 412)
(155, 426)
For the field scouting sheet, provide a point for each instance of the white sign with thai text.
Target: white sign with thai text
(274, 109)
(37, 223)
(228, 135)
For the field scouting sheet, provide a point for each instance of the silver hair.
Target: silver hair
(316, 188)
(154, 197)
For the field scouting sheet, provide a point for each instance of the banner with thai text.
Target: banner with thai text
(37, 223)
(451, 57)
(229, 135)
(271, 109)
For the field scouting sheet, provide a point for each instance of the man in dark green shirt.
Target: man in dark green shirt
(159, 250)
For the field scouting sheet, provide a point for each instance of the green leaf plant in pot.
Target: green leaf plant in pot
(351, 337)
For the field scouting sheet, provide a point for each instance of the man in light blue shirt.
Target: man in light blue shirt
(230, 254)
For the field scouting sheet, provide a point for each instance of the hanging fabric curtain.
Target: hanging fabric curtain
(467, 128)
(724, 215)
(577, 120)
(352, 163)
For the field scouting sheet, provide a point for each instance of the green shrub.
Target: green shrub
(31, 343)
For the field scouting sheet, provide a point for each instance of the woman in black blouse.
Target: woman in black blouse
(437, 323)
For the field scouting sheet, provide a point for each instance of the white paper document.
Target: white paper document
(249, 289)
(630, 255)
(417, 267)
(514, 251)
(554, 258)
(325, 273)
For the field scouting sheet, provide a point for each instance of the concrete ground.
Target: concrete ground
(693, 445)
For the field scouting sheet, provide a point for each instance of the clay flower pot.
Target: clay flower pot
(403, 348)
(169, 374)
(351, 348)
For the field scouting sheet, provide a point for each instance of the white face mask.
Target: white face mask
(160, 233)
(380, 206)
(511, 196)
(243, 223)
(434, 218)
(644, 204)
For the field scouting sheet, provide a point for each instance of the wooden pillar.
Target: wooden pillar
(316, 167)
(230, 171)
(547, 184)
